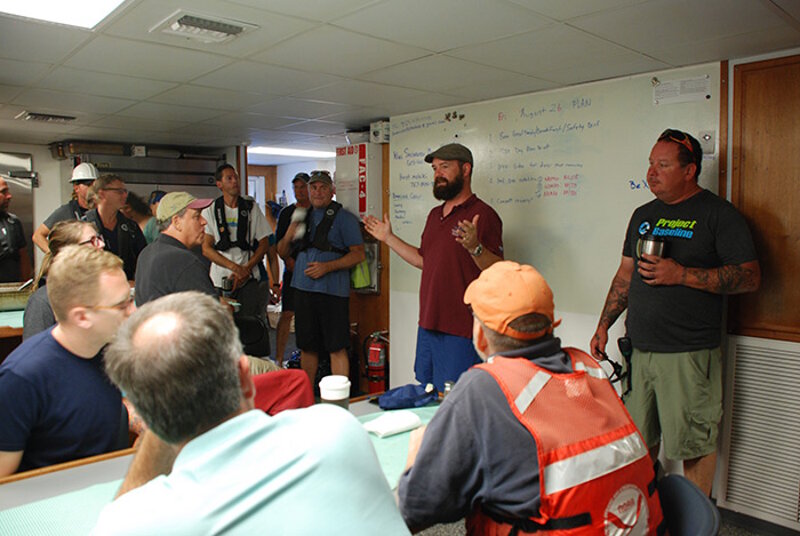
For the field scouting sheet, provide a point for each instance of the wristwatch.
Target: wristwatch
(477, 251)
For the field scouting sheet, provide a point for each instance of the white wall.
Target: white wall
(54, 188)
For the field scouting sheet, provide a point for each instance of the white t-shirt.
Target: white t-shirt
(259, 228)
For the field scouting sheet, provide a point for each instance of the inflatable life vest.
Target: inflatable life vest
(320, 239)
(242, 226)
(595, 472)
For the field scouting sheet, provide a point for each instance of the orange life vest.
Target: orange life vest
(595, 474)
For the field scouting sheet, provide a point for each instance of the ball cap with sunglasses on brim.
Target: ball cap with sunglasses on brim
(506, 291)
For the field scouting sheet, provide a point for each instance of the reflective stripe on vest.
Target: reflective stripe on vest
(586, 466)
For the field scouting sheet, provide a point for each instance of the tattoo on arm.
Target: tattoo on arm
(730, 279)
(616, 302)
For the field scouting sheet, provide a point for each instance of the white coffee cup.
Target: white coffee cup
(335, 390)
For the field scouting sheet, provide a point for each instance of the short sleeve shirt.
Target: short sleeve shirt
(344, 233)
(259, 229)
(448, 268)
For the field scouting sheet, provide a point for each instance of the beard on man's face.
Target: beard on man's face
(445, 191)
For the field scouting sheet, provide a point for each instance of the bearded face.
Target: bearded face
(448, 180)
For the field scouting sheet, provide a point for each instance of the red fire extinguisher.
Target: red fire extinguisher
(376, 349)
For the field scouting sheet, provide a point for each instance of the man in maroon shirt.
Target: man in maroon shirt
(462, 236)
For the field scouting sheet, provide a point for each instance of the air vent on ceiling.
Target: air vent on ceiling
(44, 118)
(201, 27)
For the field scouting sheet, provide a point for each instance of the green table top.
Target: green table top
(11, 318)
(76, 512)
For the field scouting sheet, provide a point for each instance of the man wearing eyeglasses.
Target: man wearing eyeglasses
(674, 303)
(56, 403)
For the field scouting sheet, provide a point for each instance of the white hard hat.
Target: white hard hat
(84, 172)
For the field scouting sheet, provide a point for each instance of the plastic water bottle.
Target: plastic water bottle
(282, 199)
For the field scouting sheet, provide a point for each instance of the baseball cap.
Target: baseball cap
(301, 177)
(451, 151)
(174, 202)
(320, 176)
(506, 291)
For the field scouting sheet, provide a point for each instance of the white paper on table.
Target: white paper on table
(393, 422)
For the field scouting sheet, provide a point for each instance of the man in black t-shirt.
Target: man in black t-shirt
(674, 304)
(15, 264)
(300, 186)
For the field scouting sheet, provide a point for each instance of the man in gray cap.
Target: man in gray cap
(462, 236)
(329, 247)
(168, 265)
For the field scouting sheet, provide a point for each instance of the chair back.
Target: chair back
(687, 510)
(283, 389)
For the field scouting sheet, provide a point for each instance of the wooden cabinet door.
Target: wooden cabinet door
(766, 189)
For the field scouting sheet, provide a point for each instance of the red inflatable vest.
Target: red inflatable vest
(595, 474)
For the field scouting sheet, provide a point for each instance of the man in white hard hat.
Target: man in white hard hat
(83, 175)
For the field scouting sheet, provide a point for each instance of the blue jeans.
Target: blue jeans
(442, 357)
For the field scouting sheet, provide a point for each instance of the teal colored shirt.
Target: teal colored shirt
(307, 471)
(150, 230)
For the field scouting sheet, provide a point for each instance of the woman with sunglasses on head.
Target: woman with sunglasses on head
(122, 236)
(38, 314)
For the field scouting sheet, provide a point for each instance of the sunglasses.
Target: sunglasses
(121, 190)
(678, 137)
(96, 241)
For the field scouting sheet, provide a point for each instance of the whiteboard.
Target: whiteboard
(564, 169)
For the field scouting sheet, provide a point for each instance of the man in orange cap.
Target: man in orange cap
(535, 438)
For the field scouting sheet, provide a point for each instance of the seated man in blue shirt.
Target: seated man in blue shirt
(210, 463)
(56, 403)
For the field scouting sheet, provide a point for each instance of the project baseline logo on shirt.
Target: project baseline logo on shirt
(670, 228)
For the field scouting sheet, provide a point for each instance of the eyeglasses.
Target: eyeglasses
(121, 190)
(97, 241)
(321, 172)
(121, 306)
(678, 137)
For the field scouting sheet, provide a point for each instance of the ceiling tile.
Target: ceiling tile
(533, 53)
(251, 120)
(206, 97)
(146, 60)
(336, 51)
(7, 93)
(320, 128)
(444, 74)
(299, 108)
(109, 85)
(21, 73)
(137, 123)
(319, 10)
(359, 116)
(561, 10)
(272, 28)
(171, 112)
(70, 102)
(361, 93)
(26, 40)
(444, 24)
(266, 79)
(641, 27)
(602, 69)
(751, 43)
